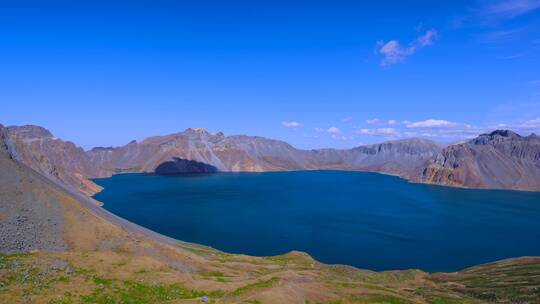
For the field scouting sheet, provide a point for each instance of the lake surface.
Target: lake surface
(367, 220)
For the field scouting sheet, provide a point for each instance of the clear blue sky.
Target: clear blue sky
(314, 73)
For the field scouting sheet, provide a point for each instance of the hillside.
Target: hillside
(498, 160)
(60, 160)
(71, 165)
(59, 246)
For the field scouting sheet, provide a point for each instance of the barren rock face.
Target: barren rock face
(253, 153)
(501, 159)
(69, 164)
(60, 160)
(26, 224)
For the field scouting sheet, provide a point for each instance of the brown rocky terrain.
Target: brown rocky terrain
(59, 246)
(253, 153)
(502, 159)
(71, 165)
(60, 160)
(498, 160)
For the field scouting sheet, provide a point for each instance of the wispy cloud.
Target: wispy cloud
(507, 9)
(333, 130)
(511, 56)
(523, 127)
(531, 124)
(373, 121)
(435, 129)
(393, 52)
(380, 122)
(291, 124)
(386, 132)
(501, 36)
(431, 123)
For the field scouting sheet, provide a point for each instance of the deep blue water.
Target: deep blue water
(367, 220)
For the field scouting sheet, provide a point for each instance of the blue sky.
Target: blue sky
(314, 73)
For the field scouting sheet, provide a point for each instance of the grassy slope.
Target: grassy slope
(122, 275)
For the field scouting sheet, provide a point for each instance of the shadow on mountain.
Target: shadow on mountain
(183, 166)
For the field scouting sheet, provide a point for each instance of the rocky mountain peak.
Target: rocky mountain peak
(197, 131)
(29, 132)
(504, 133)
(501, 159)
(495, 136)
(201, 133)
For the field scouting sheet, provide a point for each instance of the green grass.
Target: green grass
(386, 299)
(32, 280)
(260, 284)
(138, 292)
(443, 300)
(201, 250)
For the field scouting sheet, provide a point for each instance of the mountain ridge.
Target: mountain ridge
(501, 159)
(415, 159)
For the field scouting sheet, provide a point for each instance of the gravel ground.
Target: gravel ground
(30, 218)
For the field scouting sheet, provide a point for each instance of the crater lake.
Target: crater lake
(368, 220)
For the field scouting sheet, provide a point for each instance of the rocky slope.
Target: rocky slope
(400, 157)
(502, 159)
(37, 213)
(499, 160)
(253, 153)
(60, 160)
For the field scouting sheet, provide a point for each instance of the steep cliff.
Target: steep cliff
(254, 153)
(60, 160)
(501, 159)
(36, 213)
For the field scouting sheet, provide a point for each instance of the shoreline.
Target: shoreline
(128, 225)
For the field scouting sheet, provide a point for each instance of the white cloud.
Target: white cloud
(431, 123)
(531, 124)
(427, 39)
(291, 124)
(333, 130)
(373, 121)
(379, 132)
(508, 9)
(392, 122)
(393, 52)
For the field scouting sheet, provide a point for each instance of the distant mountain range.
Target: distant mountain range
(501, 159)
